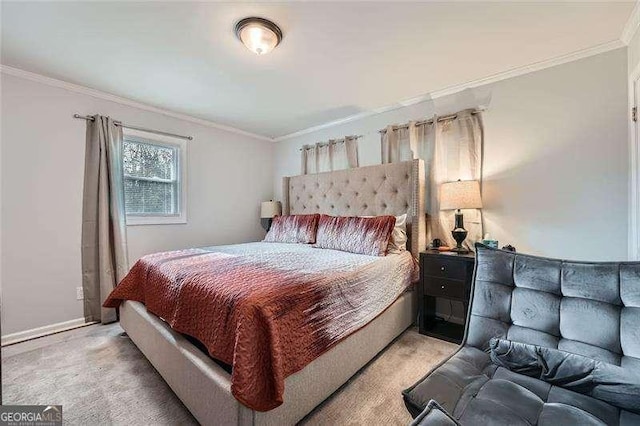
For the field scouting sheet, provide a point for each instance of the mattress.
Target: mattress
(268, 309)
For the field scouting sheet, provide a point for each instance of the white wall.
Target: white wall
(634, 51)
(633, 56)
(555, 176)
(42, 179)
(555, 161)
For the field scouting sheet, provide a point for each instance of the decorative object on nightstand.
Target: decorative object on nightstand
(460, 194)
(268, 210)
(447, 276)
(487, 241)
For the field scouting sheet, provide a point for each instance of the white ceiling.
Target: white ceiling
(336, 59)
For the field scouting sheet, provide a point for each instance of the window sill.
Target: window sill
(155, 220)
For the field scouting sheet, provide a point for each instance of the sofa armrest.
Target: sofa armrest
(434, 415)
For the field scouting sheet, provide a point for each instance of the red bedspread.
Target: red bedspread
(266, 320)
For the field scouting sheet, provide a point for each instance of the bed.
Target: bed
(205, 387)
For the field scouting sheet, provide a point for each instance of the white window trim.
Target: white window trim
(183, 155)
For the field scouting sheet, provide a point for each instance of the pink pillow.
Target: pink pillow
(362, 235)
(293, 229)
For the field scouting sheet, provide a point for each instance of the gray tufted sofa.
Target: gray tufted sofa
(589, 309)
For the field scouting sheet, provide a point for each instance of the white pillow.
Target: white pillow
(398, 241)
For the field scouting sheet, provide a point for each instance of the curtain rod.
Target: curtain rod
(126, 126)
(330, 142)
(430, 121)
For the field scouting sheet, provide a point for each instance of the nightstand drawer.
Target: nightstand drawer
(442, 287)
(445, 268)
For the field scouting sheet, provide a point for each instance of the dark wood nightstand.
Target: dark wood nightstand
(445, 275)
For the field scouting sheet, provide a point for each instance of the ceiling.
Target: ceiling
(337, 59)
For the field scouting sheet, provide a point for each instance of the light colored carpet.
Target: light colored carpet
(101, 378)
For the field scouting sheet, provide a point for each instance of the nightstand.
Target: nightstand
(444, 275)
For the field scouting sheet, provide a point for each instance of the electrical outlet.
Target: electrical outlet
(79, 293)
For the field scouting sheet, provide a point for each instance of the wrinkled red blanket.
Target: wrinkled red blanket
(266, 322)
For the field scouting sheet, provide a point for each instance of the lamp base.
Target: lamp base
(459, 234)
(460, 250)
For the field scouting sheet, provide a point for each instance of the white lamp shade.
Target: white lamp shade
(462, 194)
(269, 209)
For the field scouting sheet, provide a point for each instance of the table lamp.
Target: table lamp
(461, 194)
(269, 209)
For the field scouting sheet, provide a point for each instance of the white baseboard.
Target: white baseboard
(34, 333)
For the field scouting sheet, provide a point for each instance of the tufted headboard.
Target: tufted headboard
(386, 189)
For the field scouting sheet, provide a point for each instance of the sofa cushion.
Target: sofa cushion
(475, 391)
(590, 310)
(434, 415)
(547, 302)
(616, 385)
(447, 383)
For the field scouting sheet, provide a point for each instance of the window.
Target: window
(154, 170)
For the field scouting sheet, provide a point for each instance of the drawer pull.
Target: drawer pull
(442, 287)
(442, 268)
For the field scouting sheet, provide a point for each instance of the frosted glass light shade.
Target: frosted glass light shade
(259, 35)
(269, 209)
(462, 194)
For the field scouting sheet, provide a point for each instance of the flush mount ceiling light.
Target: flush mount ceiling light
(259, 35)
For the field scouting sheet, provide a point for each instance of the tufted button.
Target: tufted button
(384, 177)
(317, 185)
(348, 206)
(317, 206)
(364, 179)
(357, 193)
(365, 206)
(375, 192)
(395, 191)
(339, 194)
(310, 196)
(406, 176)
(384, 206)
(332, 206)
(297, 198)
(304, 187)
(324, 195)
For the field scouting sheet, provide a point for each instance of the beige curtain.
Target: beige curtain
(399, 143)
(451, 150)
(332, 155)
(309, 160)
(104, 233)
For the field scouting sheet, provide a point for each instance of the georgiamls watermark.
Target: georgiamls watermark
(30, 415)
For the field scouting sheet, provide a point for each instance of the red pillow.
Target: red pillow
(293, 229)
(362, 235)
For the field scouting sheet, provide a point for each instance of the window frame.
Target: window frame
(181, 147)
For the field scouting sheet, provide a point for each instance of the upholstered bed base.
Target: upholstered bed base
(205, 388)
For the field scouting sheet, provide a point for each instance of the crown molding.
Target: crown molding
(17, 72)
(631, 26)
(514, 72)
(533, 67)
